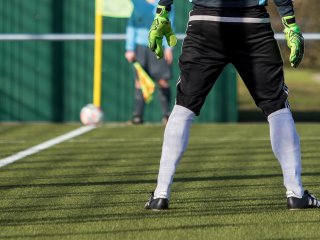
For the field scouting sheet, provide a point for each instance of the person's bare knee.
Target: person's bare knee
(137, 84)
(163, 83)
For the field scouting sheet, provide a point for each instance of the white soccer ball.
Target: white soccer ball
(91, 115)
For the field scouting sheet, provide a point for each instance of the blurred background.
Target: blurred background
(46, 67)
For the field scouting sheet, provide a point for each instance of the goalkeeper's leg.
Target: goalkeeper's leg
(176, 137)
(285, 144)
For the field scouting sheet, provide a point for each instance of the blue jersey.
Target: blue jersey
(139, 24)
(285, 7)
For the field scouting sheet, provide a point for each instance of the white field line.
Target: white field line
(42, 146)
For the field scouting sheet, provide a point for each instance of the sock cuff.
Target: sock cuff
(293, 194)
(183, 110)
(281, 111)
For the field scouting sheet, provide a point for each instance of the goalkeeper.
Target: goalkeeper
(239, 32)
(137, 50)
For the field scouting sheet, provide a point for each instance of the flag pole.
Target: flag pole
(97, 53)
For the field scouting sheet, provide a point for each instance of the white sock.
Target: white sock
(285, 144)
(175, 142)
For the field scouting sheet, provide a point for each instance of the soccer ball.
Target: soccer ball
(91, 115)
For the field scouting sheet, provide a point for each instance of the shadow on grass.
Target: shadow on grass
(257, 116)
(178, 211)
(149, 181)
(138, 230)
(138, 181)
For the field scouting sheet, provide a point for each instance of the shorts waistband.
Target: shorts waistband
(228, 19)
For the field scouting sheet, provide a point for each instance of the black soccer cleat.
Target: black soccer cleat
(307, 201)
(156, 203)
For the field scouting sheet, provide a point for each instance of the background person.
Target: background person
(137, 50)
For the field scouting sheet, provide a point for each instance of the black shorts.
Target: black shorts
(157, 69)
(242, 37)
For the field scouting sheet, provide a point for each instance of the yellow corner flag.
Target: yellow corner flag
(117, 8)
(146, 83)
(107, 8)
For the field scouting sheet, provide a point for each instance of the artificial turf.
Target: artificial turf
(227, 186)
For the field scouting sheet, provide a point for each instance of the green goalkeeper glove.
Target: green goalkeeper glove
(160, 27)
(294, 39)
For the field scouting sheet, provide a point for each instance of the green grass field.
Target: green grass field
(228, 185)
